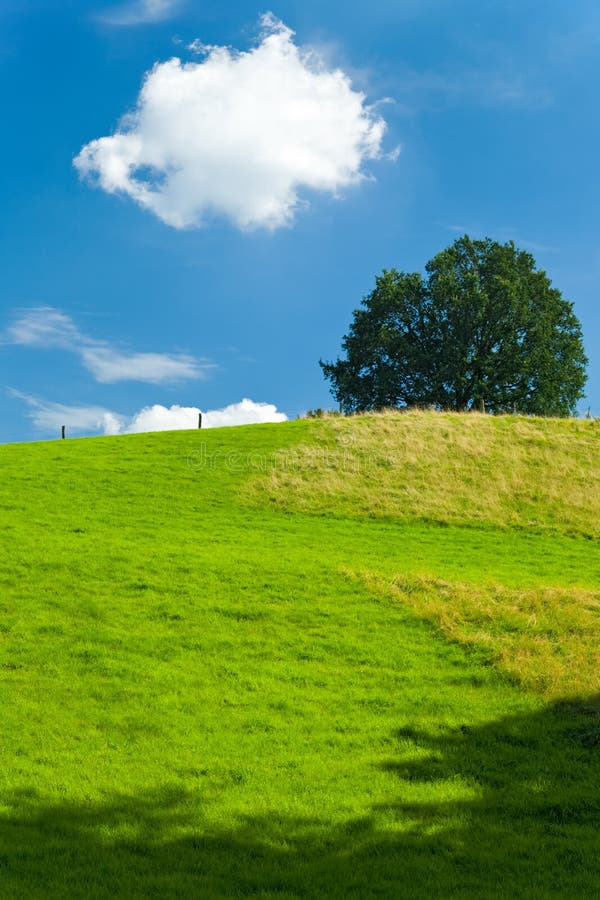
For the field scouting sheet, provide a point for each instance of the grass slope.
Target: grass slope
(240, 662)
(452, 468)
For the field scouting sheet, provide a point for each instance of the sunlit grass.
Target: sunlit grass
(546, 638)
(448, 467)
(201, 698)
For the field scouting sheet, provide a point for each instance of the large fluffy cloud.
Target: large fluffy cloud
(49, 416)
(238, 134)
(45, 326)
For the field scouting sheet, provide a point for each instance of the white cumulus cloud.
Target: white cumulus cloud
(238, 134)
(140, 12)
(162, 418)
(45, 326)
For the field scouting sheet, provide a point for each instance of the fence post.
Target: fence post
(199, 420)
(62, 432)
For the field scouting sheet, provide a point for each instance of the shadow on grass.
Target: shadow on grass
(519, 818)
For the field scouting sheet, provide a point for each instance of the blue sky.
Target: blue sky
(230, 279)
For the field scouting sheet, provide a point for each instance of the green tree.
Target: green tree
(484, 326)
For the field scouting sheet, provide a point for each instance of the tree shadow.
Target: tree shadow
(517, 815)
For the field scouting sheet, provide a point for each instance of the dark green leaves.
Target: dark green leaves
(484, 327)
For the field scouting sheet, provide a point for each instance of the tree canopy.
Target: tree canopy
(484, 326)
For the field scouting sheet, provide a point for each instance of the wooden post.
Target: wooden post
(483, 406)
(199, 420)
(62, 432)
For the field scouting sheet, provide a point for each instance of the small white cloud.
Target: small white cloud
(111, 423)
(202, 49)
(238, 134)
(48, 327)
(43, 326)
(108, 365)
(50, 417)
(140, 12)
(161, 418)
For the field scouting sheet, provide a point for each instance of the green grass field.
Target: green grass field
(347, 658)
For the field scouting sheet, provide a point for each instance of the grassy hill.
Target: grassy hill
(351, 657)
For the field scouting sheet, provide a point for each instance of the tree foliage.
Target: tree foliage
(484, 326)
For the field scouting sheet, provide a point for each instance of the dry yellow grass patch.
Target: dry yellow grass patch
(546, 639)
(501, 470)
